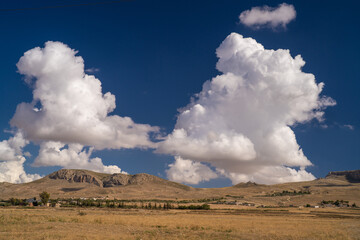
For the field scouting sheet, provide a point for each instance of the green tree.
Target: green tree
(44, 196)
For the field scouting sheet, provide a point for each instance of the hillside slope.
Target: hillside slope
(68, 183)
(85, 183)
(351, 176)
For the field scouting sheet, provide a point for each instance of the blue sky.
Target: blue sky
(154, 56)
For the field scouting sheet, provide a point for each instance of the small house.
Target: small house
(31, 202)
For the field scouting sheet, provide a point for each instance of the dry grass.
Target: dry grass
(75, 223)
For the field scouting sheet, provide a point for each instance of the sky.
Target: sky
(207, 93)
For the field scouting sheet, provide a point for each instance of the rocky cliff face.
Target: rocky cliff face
(76, 176)
(118, 179)
(351, 176)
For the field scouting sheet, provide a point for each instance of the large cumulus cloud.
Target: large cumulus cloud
(69, 117)
(240, 121)
(68, 105)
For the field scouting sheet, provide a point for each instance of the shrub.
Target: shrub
(44, 196)
(195, 207)
(82, 213)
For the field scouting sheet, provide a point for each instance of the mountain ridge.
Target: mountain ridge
(353, 176)
(76, 183)
(109, 180)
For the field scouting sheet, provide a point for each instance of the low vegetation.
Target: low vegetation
(288, 193)
(338, 203)
(195, 207)
(104, 203)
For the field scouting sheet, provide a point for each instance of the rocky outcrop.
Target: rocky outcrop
(119, 179)
(247, 184)
(116, 180)
(80, 176)
(352, 176)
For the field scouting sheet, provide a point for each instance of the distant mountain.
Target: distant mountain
(111, 180)
(71, 183)
(351, 176)
(85, 183)
(247, 184)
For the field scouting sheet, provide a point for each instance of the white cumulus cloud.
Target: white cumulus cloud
(272, 174)
(11, 149)
(12, 160)
(187, 171)
(13, 172)
(73, 156)
(69, 117)
(268, 17)
(68, 105)
(240, 121)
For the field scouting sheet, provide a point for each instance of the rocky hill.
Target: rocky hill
(84, 183)
(68, 183)
(79, 176)
(351, 176)
(247, 184)
(110, 180)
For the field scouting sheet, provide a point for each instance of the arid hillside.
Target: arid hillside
(67, 183)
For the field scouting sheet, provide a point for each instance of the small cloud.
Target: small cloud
(92, 70)
(350, 127)
(11, 131)
(159, 136)
(187, 171)
(266, 16)
(27, 154)
(74, 156)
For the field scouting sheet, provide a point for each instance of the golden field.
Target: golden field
(239, 223)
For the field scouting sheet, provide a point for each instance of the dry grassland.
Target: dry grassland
(78, 223)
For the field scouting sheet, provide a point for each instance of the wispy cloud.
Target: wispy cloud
(92, 70)
(350, 127)
(266, 16)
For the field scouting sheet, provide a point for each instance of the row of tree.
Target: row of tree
(338, 203)
(288, 193)
(124, 204)
(44, 199)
